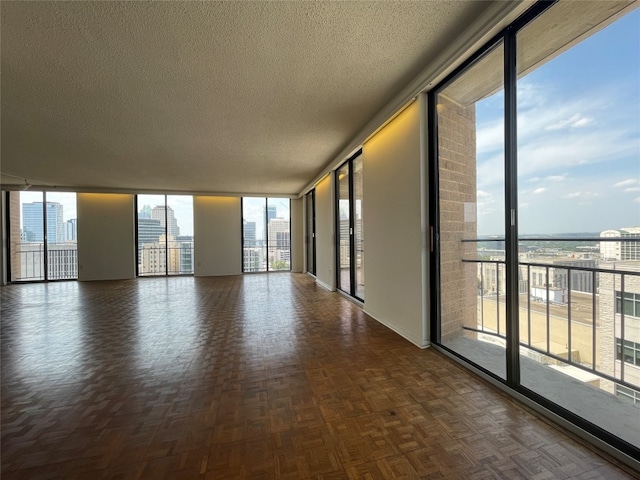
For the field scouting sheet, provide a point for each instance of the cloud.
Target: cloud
(624, 183)
(637, 199)
(556, 178)
(549, 178)
(583, 195)
(575, 121)
(540, 190)
(632, 189)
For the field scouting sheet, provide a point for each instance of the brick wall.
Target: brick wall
(457, 165)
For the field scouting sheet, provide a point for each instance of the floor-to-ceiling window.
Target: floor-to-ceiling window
(536, 183)
(266, 234)
(471, 198)
(310, 231)
(350, 228)
(165, 235)
(42, 236)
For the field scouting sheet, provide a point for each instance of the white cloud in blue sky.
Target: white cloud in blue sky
(578, 140)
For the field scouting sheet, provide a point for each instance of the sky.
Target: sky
(578, 140)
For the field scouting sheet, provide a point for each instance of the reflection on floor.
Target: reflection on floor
(262, 376)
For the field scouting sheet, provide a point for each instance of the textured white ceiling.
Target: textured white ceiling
(247, 97)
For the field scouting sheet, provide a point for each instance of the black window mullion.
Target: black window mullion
(352, 229)
(137, 234)
(511, 208)
(45, 237)
(434, 217)
(166, 238)
(266, 229)
(7, 240)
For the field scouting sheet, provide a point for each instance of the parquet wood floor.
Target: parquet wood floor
(261, 376)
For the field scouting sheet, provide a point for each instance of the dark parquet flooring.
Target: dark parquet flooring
(261, 376)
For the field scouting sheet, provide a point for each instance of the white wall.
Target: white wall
(106, 236)
(217, 235)
(297, 235)
(392, 227)
(325, 248)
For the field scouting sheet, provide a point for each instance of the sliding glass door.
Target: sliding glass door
(165, 235)
(470, 115)
(266, 234)
(43, 236)
(535, 145)
(350, 227)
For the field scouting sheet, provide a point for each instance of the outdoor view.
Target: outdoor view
(43, 236)
(266, 234)
(578, 215)
(165, 235)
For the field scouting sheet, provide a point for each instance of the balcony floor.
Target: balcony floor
(602, 408)
(257, 376)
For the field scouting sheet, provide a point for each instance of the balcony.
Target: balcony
(579, 329)
(28, 262)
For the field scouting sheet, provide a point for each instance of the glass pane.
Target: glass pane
(180, 234)
(152, 239)
(358, 226)
(279, 236)
(471, 171)
(310, 231)
(27, 236)
(62, 244)
(254, 235)
(344, 241)
(578, 181)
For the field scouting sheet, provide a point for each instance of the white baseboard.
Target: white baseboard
(403, 332)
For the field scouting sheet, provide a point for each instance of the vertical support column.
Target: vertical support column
(424, 213)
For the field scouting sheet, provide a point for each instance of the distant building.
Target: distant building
(71, 230)
(620, 357)
(168, 219)
(145, 212)
(253, 259)
(279, 240)
(149, 231)
(249, 234)
(620, 250)
(33, 222)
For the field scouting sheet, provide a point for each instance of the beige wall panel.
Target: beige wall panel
(106, 236)
(392, 226)
(217, 235)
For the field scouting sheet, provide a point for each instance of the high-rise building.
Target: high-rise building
(71, 230)
(33, 222)
(168, 220)
(249, 233)
(145, 212)
(149, 231)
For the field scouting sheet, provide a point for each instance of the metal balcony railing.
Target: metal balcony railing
(28, 262)
(557, 300)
